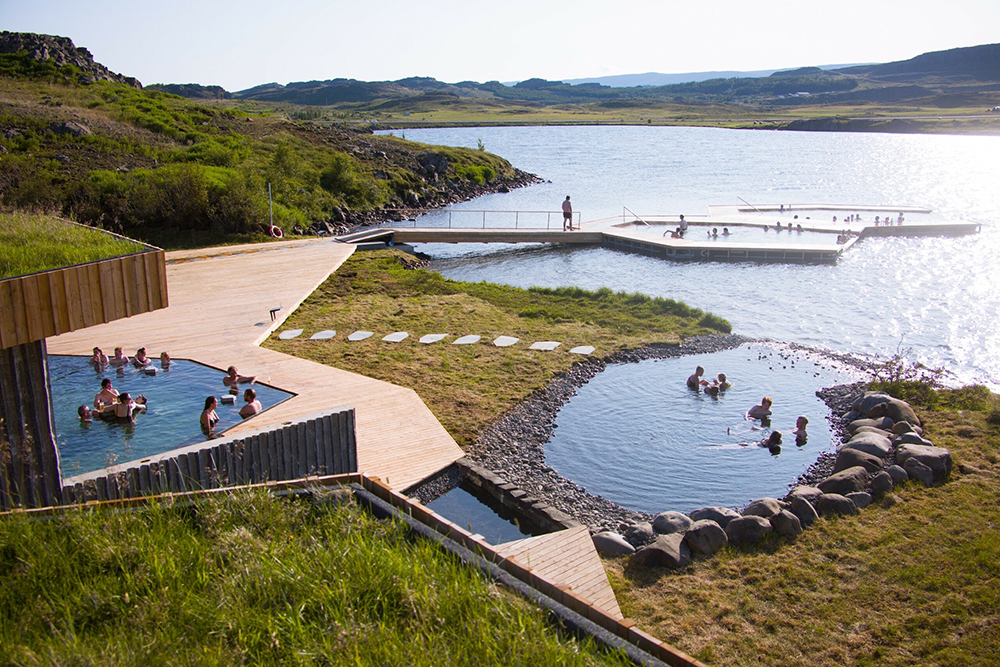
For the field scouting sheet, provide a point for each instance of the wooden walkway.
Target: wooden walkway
(219, 314)
(567, 558)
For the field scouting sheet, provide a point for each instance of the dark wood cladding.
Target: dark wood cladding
(29, 461)
(50, 303)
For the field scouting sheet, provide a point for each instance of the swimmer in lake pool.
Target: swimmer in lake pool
(694, 381)
(723, 381)
(761, 411)
(800, 430)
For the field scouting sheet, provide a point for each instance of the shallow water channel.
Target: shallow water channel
(638, 436)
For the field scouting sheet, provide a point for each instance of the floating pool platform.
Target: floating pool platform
(646, 234)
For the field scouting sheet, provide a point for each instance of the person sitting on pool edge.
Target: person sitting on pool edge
(800, 430)
(234, 378)
(107, 395)
(724, 383)
(252, 407)
(694, 381)
(761, 411)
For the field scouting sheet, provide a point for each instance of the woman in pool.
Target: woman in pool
(164, 360)
(108, 395)
(234, 378)
(99, 360)
(800, 430)
(724, 383)
(253, 406)
(761, 411)
(141, 360)
(712, 389)
(119, 360)
(208, 417)
(772, 442)
(126, 408)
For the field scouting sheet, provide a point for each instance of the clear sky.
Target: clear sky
(242, 44)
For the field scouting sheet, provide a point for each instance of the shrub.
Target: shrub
(345, 179)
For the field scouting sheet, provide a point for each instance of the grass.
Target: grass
(470, 387)
(912, 580)
(252, 579)
(31, 242)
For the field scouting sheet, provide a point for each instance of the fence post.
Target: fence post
(517, 215)
(484, 219)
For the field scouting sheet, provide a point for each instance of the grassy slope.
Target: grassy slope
(31, 243)
(469, 387)
(252, 579)
(913, 580)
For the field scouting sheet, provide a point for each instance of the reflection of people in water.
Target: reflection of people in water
(800, 430)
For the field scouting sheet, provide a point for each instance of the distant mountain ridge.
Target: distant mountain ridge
(661, 79)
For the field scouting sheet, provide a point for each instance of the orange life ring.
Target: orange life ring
(276, 232)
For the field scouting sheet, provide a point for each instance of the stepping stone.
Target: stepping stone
(359, 335)
(289, 334)
(431, 338)
(547, 345)
(505, 341)
(467, 340)
(583, 349)
(323, 335)
(396, 337)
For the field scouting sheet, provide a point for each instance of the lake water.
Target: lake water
(935, 298)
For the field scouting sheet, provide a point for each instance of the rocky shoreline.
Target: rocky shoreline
(513, 447)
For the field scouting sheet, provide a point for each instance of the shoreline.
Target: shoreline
(514, 445)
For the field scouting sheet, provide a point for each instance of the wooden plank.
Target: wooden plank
(33, 316)
(106, 285)
(60, 306)
(151, 280)
(302, 464)
(46, 309)
(128, 297)
(17, 309)
(320, 427)
(8, 329)
(274, 461)
(138, 264)
(289, 446)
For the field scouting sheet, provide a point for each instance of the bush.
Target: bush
(478, 174)
(345, 179)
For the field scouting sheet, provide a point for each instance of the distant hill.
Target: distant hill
(971, 63)
(192, 91)
(660, 79)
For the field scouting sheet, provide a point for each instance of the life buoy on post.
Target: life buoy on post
(276, 232)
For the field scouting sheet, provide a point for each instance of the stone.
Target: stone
(851, 415)
(881, 484)
(845, 481)
(720, 515)
(806, 492)
(848, 458)
(69, 127)
(898, 474)
(913, 439)
(804, 510)
(872, 429)
(860, 499)
(938, 459)
(899, 428)
(786, 524)
(612, 544)
(748, 529)
(896, 410)
(918, 471)
(640, 533)
(765, 507)
(666, 523)
(834, 503)
(883, 423)
(666, 551)
(868, 400)
(705, 537)
(869, 443)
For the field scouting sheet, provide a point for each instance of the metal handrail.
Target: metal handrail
(414, 213)
(634, 214)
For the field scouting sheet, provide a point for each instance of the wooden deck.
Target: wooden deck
(567, 558)
(219, 314)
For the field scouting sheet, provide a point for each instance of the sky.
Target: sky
(242, 44)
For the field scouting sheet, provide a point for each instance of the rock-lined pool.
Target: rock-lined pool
(176, 398)
(638, 436)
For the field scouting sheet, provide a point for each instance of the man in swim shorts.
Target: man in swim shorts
(567, 210)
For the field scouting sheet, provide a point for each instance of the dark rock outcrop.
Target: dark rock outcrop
(61, 51)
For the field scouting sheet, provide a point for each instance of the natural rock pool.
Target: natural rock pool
(638, 436)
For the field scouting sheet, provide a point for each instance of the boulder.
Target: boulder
(881, 484)
(869, 443)
(896, 410)
(872, 429)
(845, 481)
(883, 423)
(899, 428)
(804, 510)
(938, 459)
(612, 544)
(69, 127)
(851, 415)
(705, 537)
(666, 551)
(747, 529)
(431, 162)
(671, 522)
(786, 524)
(869, 400)
(918, 471)
(834, 503)
(806, 492)
(898, 474)
(640, 533)
(848, 458)
(860, 499)
(765, 507)
(720, 515)
(913, 439)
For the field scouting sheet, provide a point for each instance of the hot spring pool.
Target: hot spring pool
(638, 436)
(176, 399)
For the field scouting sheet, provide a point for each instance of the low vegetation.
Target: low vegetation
(911, 580)
(252, 579)
(469, 387)
(32, 242)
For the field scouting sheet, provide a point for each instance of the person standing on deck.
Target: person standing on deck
(567, 210)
